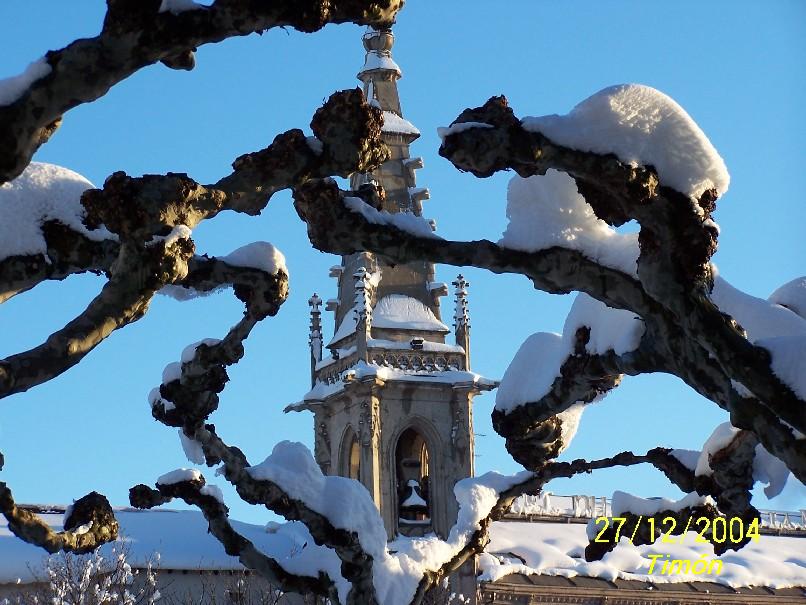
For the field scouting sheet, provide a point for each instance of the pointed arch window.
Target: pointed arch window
(354, 461)
(412, 466)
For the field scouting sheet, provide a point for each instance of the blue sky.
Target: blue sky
(737, 67)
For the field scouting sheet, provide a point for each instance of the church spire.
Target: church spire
(461, 317)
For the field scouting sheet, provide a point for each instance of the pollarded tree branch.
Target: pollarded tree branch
(676, 239)
(729, 481)
(188, 401)
(136, 35)
(136, 276)
(348, 139)
(477, 542)
(68, 253)
(332, 227)
(217, 515)
(149, 211)
(89, 523)
(667, 345)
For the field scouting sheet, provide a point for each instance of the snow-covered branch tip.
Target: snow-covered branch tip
(677, 236)
(88, 524)
(136, 35)
(190, 487)
(141, 229)
(189, 390)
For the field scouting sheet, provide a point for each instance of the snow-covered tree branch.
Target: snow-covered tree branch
(135, 35)
(665, 309)
(648, 302)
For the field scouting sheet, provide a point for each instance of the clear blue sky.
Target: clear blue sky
(737, 67)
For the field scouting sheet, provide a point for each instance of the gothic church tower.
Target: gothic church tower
(392, 399)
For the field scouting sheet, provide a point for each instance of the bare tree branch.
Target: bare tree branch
(136, 35)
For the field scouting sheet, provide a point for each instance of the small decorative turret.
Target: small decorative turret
(315, 335)
(363, 308)
(461, 317)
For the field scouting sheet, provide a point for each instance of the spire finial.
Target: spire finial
(461, 317)
(461, 314)
(315, 334)
(378, 44)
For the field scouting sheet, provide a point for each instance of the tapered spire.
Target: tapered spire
(461, 316)
(315, 334)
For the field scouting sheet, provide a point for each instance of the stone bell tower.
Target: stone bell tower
(392, 400)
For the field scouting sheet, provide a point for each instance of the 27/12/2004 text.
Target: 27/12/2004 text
(718, 530)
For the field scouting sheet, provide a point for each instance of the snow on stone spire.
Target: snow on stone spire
(378, 44)
(364, 285)
(461, 316)
(315, 335)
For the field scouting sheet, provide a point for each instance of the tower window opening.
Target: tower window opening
(412, 462)
(354, 470)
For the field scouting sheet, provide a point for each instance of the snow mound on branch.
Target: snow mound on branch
(547, 210)
(618, 330)
(532, 371)
(792, 295)
(770, 470)
(179, 475)
(178, 6)
(766, 467)
(189, 352)
(623, 502)
(722, 435)
(405, 221)
(192, 448)
(11, 89)
(537, 363)
(641, 126)
(43, 192)
(778, 329)
(294, 470)
(257, 255)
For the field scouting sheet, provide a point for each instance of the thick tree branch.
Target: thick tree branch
(136, 277)
(188, 401)
(68, 253)
(141, 211)
(89, 523)
(676, 240)
(671, 343)
(478, 541)
(235, 544)
(136, 35)
(334, 228)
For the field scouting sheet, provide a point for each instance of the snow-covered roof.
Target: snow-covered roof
(322, 390)
(180, 538)
(556, 549)
(397, 124)
(377, 60)
(401, 312)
